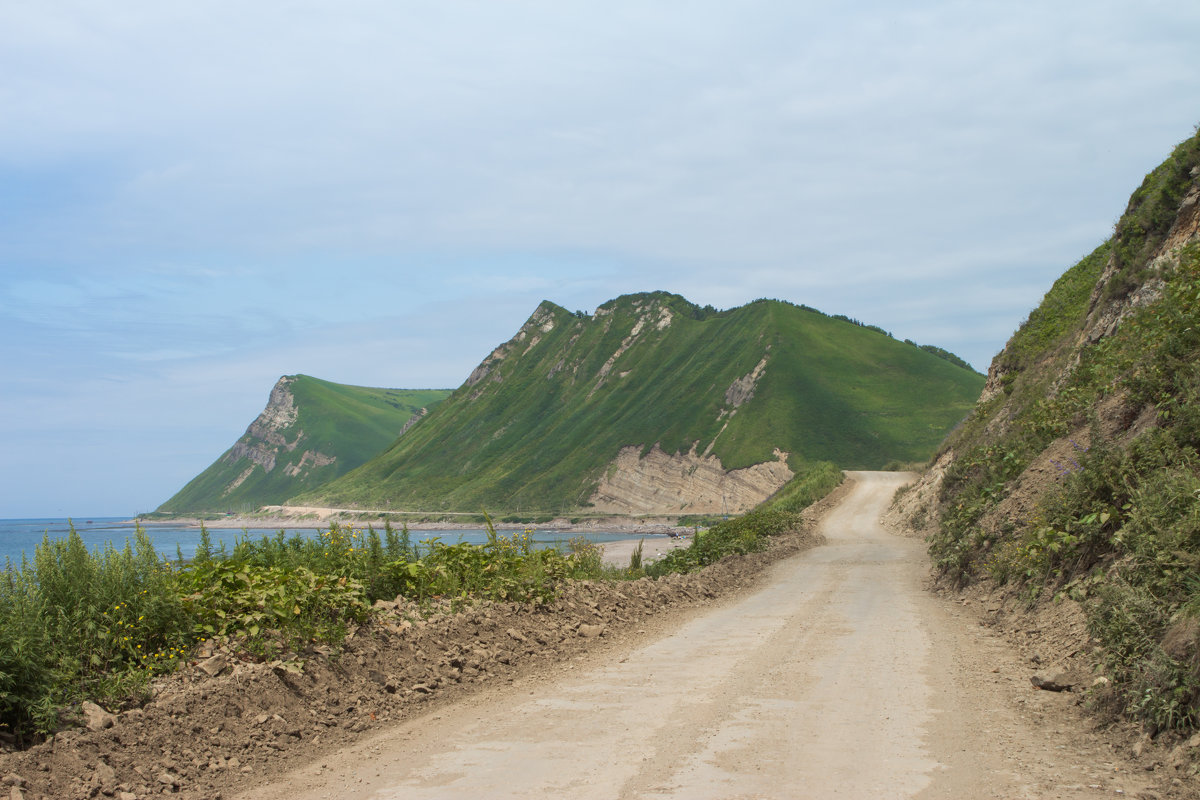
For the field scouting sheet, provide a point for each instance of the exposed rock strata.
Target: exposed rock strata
(741, 390)
(310, 459)
(267, 438)
(645, 320)
(266, 435)
(540, 323)
(413, 420)
(685, 483)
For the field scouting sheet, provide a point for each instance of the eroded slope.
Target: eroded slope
(1076, 476)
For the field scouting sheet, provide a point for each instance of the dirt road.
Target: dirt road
(840, 677)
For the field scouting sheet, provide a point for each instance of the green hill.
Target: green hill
(653, 388)
(310, 432)
(1076, 476)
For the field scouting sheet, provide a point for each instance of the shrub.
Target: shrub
(78, 625)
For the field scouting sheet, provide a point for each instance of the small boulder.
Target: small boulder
(1182, 639)
(1179, 758)
(1139, 747)
(1057, 682)
(590, 631)
(106, 776)
(214, 666)
(96, 718)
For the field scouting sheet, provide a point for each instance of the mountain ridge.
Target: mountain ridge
(546, 415)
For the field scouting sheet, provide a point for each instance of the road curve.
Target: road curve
(840, 677)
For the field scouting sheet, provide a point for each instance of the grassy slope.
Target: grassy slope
(1120, 529)
(540, 437)
(351, 423)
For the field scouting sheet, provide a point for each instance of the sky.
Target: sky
(199, 197)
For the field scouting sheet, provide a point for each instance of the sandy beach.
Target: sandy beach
(311, 517)
(655, 546)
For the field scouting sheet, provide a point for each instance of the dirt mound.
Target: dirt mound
(223, 725)
(914, 510)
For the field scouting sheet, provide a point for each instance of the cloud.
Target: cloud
(197, 198)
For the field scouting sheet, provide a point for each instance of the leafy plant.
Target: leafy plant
(268, 611)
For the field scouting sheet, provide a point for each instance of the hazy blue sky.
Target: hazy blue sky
(199, 197)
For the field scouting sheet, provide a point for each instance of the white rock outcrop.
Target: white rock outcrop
(685, 483)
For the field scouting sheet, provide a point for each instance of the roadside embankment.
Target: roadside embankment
(223, 724)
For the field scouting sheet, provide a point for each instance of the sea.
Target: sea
(22, 536)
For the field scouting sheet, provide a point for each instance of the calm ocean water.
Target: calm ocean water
(23, 535)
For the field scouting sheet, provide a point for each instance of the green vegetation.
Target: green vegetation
(1120, 528)
(335, 429)
(1149, 216)
(942, 353)
(816, 481)
(541, 419)
(76, 625)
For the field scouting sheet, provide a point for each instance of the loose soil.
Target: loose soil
(799, 672)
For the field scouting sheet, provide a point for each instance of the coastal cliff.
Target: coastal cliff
(310, 432)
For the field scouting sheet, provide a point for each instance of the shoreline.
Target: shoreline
(320, 521)
(657, 537)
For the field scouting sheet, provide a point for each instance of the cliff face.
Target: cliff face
(686, 483)
(311, 431)
(268, 435)
(1037, 372)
